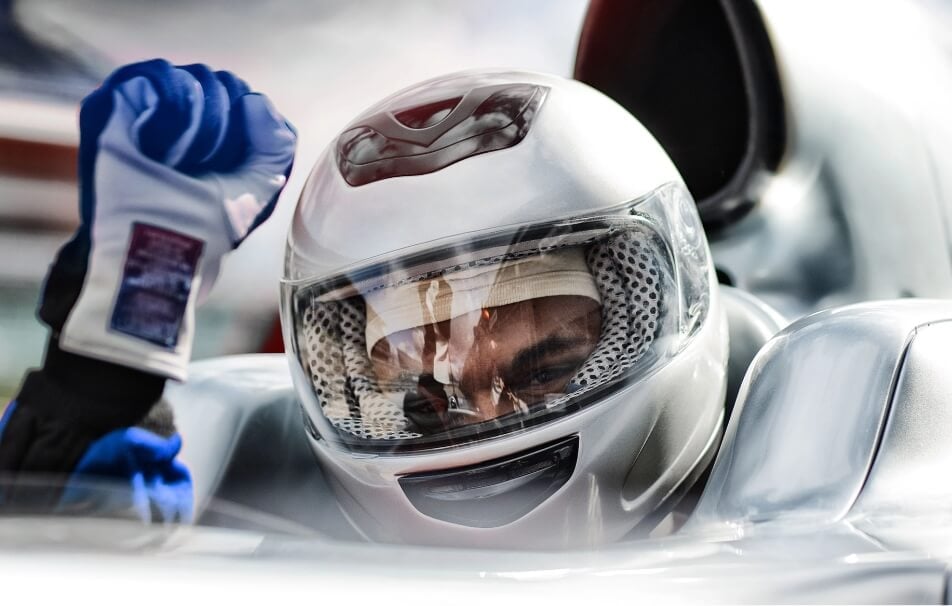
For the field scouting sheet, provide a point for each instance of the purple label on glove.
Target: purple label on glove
(156, 282)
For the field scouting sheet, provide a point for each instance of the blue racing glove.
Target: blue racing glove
(129, 472)
(144, 479)
(177, 165)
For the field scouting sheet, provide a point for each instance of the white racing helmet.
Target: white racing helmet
(504, 331)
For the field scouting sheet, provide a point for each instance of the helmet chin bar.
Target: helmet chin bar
(497, 492)
(639, 452)
(681, 498)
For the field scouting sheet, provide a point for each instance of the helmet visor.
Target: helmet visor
(494, 332)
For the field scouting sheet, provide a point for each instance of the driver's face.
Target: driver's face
(491, 362)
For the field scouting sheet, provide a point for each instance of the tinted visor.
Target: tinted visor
(489, 362)
(494, 332)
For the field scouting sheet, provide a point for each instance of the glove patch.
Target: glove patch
(157, 277)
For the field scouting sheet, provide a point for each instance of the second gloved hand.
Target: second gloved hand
(131, 472)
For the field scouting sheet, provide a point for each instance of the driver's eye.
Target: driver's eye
(539, 381)
(545, 376)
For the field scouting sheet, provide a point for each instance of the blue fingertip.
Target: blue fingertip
(173, 111)
(158, 134)
(235, 86)
(234, 147)
(214, 119)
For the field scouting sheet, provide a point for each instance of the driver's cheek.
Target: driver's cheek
(488, 404)
(483, 387)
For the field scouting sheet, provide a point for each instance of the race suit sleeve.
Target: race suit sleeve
(177, 166)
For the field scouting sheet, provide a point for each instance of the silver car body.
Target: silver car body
(831, 486)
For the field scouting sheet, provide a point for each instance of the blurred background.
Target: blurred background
(321, 63)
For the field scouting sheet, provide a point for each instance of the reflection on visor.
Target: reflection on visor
(488, 343)
(489, 363)
(495, 331)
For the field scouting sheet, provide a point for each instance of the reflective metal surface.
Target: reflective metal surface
(859, 209)
(245, 442)
(830, 487)
(810, 416)
(834, 136)
(915, 455)
(751, 323)
(659, 573)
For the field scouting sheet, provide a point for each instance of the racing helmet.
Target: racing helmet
(503, 332)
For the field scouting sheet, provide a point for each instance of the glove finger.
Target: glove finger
(213, 123)
(181, 481)
(271, 140)
(151, 449)
(97, 110)
(163, 99)
(123, 451)
(139, 496)
(178, 473)
(251, 189)
(235, 86)
(97, 106)
(233, 148)
(171, 500)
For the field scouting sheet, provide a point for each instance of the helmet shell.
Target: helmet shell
(578, 155)
(639, 449)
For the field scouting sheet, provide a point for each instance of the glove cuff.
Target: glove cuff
(97, 396)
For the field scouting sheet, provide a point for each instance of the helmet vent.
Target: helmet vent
(429, 137)
(424, 116)
(495, 493)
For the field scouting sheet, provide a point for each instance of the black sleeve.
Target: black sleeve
(69, 403)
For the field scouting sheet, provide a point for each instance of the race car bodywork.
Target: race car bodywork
(830, 484)
(816, 145)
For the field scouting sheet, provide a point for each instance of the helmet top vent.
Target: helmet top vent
(427, 137)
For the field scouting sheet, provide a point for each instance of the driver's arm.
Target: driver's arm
(177, 165)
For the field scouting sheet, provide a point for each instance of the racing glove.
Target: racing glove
(128, 473)
(145, 480)
(177, 165)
